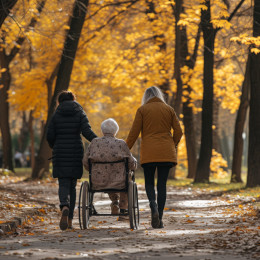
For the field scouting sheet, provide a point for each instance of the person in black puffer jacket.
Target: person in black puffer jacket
(63, 136)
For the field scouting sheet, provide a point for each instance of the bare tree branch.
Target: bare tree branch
(111, 19)
(235, 10)
(5, 8)
(232, 14)
(21, 39)
(196, 47)
(109, 4)
(226, 2)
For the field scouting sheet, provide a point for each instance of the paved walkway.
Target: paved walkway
(197, 226)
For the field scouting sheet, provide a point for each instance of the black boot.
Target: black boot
(64, 218)
(160, 218)
(154, 214)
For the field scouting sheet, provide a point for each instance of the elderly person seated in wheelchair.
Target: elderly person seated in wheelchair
(110, 176)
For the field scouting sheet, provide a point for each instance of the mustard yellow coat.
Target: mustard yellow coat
(154, 120)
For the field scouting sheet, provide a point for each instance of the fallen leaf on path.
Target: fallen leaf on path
(93, 227)
(42, 211)
(190, 221)
(102, 222)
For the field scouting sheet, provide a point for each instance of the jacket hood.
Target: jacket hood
(68, 108)
(154, 99)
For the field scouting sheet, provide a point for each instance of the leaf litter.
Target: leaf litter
(226, 224)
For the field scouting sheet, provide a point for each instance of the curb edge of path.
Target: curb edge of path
(11, 225)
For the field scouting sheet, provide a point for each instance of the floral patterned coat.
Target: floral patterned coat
(110, 175)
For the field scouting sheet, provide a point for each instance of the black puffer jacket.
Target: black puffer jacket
(63, 136)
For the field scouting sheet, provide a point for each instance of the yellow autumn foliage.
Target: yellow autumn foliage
(217, 165)
(123, 50)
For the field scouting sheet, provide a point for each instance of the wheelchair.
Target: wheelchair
(86, 208)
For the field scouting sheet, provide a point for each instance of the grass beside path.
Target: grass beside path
(215, 185)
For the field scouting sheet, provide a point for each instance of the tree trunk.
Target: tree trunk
(190, 137)
(32, 149)
(63, 77)
(50, 81)
(4, 115)
(225, 148)
(181, 54)
(216, 140)
(253, 178)
(209, 35)
(45, 147)
(5, 8)
(5, 61)
(239, 127)
(177, 58)
(188, 118)
(24, 134)
(203, 168)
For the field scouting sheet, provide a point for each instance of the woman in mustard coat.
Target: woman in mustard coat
(155, 120)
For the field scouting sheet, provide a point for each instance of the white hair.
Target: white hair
(152, 92)
(109, 126)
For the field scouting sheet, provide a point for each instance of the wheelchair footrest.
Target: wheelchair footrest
(107, 214)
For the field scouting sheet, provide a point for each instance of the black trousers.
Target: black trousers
(67, 194)
(162, 176)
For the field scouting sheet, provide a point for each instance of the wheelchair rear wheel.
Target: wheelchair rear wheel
(79, 207)
(133, 206)
(136, 207)
(84, 207)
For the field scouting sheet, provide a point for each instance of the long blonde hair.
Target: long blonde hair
(152, 92)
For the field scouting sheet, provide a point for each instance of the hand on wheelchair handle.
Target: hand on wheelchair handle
(131, 175)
